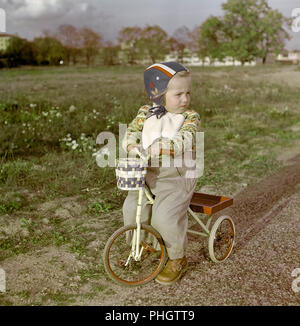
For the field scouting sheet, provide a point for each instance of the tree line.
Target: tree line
(67, 45)
(248, 30)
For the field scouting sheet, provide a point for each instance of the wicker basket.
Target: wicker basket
(130, 173)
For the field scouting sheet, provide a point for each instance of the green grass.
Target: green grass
(46, 146)
(98, 207)
(243, 119)
(240, 117)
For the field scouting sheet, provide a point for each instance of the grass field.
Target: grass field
(50, 118)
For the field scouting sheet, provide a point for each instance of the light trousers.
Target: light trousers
(168, 215)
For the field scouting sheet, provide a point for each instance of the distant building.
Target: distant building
(187, 57)
(192, 59)
(4, 41)
(289, 57)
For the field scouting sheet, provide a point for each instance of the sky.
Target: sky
(29, 18)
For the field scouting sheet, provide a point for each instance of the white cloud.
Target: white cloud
(29, 18)
(36, 9)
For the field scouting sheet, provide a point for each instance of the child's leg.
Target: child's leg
(169, 212)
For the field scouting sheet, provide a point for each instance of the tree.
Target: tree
(129, 38)
(183, 35)
(212, 41)
(177, 47)
(240, 25)
(49, 50)
(154, 43)
(90, 44)
(20, 52)
(273, 34)
(195, 35)
(69, 36)
(180, 41)
(109, 54)
(249, 29)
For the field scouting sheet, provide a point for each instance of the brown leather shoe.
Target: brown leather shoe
(173, 270)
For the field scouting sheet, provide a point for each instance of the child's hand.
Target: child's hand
(134, 149)
(132, 146)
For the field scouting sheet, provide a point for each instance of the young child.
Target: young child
(162, 131)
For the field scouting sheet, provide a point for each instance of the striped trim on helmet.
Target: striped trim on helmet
(163, 68)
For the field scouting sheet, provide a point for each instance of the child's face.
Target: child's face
(178, 94)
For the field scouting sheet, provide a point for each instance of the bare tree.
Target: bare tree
(129, 38)
(69, 36)
(176, 47)
(183, 35)
(154, 42)
(180, 41)
(90, 43)
(195, 36)
(109, 53)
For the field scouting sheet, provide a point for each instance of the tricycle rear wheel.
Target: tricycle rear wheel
(221, 239)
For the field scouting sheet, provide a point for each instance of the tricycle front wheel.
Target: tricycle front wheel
(133, 273)
(221, 239)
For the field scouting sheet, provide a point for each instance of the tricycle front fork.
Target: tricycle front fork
(136, 251)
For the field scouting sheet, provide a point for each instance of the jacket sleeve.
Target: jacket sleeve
(133, 135)
(185, 139)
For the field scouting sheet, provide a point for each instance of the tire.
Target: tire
(117, 250)
(221, 239)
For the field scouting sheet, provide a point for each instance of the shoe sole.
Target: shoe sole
(175, 280)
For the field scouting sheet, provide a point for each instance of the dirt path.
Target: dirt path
(259, 271)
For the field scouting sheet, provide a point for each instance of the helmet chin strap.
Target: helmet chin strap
(158, 110)
(158, 101)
